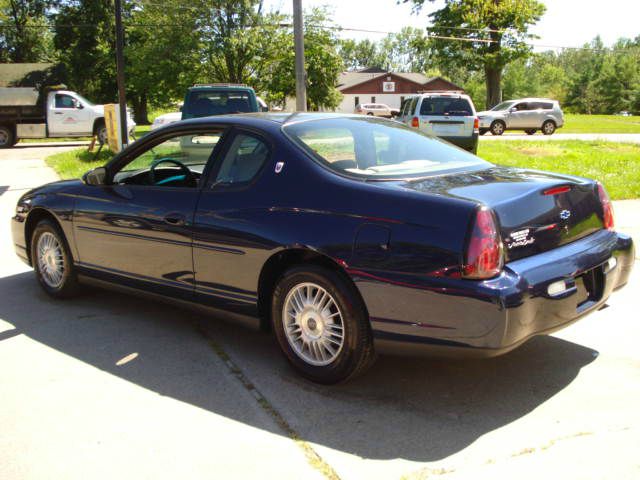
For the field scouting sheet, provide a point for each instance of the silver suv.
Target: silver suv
(528, 114)
(450, 116)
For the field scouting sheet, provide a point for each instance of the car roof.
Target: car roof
(531, 99)
(258, 119)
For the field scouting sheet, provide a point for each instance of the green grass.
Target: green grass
(616, 165)
(600, 124)
(74, 163)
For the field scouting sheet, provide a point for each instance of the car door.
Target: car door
(520, 116)
(138, 229)
(229, 248)
(67, 116)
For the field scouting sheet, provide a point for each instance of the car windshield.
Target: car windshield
(212, 102)
(503, 106)
(378, 149)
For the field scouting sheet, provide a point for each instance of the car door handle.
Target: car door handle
(174, 219)
(58, 113)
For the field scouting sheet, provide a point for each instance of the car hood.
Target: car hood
(53, 187)
(491, 113)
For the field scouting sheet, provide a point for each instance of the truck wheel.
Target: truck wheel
(7, 138)
(101, 133)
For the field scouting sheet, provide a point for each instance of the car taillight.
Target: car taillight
(607, 208)
(484, 256)
(476, 124)
(415, 122)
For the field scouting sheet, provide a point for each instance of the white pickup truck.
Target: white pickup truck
(27, 113)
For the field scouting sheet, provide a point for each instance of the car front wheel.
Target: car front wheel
(548, 127)
(497, 127)
(52, 261)
(321, 325)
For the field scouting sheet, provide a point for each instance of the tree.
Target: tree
(161, 52)
(85, 39)
(22, 36)
(323, 64)
(496, 30)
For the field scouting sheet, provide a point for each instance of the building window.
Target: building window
(357, 99)
(373, 99)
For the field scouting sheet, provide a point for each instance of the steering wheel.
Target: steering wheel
(185, 175)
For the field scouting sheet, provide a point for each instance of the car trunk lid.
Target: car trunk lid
(536, 211)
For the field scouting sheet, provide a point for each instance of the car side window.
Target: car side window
(522, 106)
(177, 161)
(64, 101)
(243, 160)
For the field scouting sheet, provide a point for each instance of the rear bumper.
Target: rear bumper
(455, 317)
(469, 143)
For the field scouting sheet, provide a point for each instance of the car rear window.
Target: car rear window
(378, 149)
(208, 102)
(445, 106)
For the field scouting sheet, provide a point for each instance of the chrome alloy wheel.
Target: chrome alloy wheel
(313, 324)
(50, 259)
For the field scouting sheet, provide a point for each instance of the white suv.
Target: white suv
(528, 114)
(450, 116)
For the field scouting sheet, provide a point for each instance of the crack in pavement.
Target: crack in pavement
(312, 457)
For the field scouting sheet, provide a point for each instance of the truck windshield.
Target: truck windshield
(86, 102)
(378, 149)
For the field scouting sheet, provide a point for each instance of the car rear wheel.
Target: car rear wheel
(531, 131)
(321, 325)
(7, 139)
(548, 127)
(52, 261)
(497, 127)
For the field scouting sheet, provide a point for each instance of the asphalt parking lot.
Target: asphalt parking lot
(110, 386)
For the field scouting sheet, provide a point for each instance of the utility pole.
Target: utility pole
(122, 98)
(301, 76)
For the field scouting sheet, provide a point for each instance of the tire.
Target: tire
(49, 247)
(101, 133)
(344, 358)
(370, 113)
(7, 138)
(497, 127)
(530, 131)
(482, 131)
(548, 127)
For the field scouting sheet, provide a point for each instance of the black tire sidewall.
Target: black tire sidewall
(496, 123)
(68, 287)
(10, 137)
(355, 323)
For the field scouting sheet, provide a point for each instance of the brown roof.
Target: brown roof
(350, 79)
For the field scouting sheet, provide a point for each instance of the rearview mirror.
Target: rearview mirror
(513, 109)
(97, 176)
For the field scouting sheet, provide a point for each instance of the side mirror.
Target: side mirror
(513, 109)
(97, 176)
(79, 106)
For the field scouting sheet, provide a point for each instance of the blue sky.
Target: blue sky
(566, 23)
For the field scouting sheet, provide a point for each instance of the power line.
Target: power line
(288, 25)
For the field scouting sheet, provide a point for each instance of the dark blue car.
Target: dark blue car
(345, 235)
